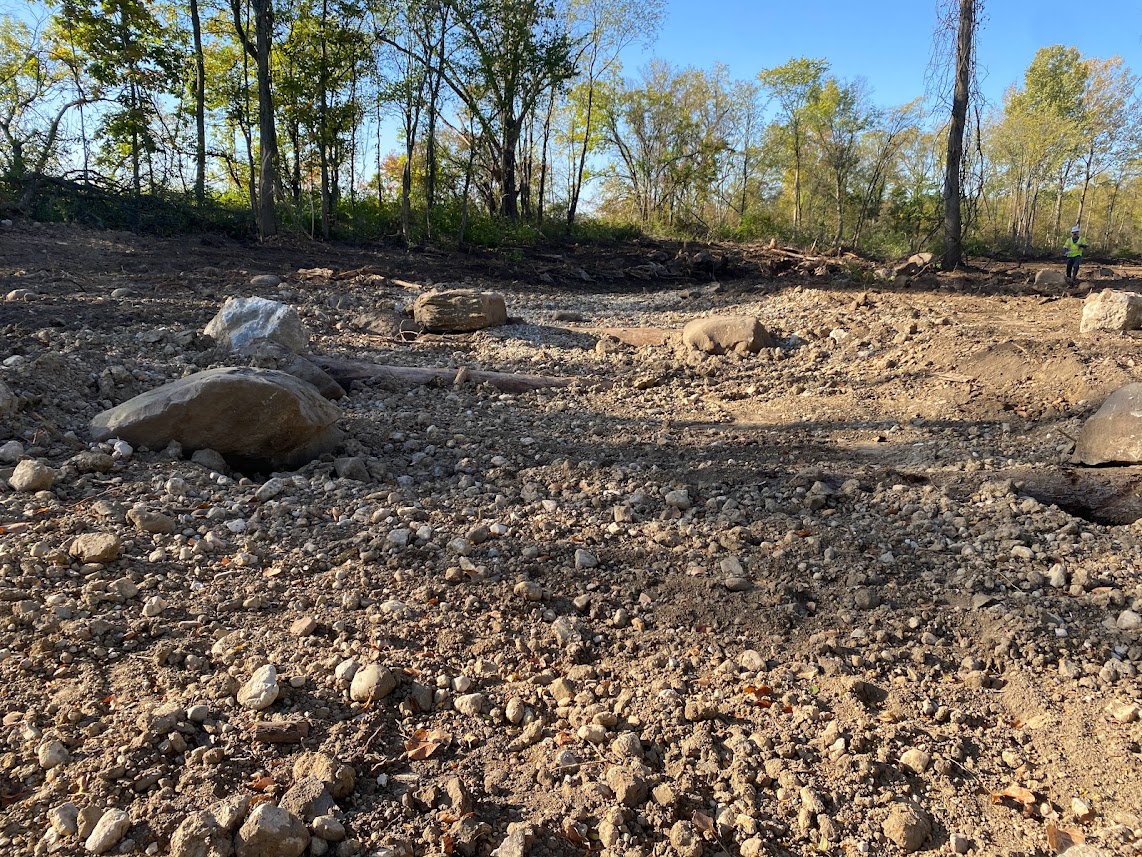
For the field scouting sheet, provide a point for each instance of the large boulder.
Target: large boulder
(1114, 434)
(245, 320)
(722, 333)
(459, 310)
(1111, 309)
(256, 418)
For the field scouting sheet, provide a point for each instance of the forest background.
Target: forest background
(498, 121)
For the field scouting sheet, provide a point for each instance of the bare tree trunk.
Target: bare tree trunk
(580, 168)
(953, 223)
(260, 49)
(1086, 185)
(543, 157)
(323, 124)
(199, 107)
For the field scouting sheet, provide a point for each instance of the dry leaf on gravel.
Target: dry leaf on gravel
(424, 743)
(704, 825)
(1019, 795)
(1062, 838)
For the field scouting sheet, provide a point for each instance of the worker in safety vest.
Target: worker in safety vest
(1074, 250)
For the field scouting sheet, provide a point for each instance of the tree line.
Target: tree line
(456, 119)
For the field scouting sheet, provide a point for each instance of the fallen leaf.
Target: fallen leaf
(1062, 838)
(424, 743)
(1019, 795)
(575, 832)
(562, 739)
(261, 784)
(704, 824)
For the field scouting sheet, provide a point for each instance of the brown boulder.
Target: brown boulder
(722, 333)
(459, 310)
(256, 418)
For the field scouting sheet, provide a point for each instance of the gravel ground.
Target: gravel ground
(846, 596)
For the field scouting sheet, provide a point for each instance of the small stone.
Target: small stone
(64, 819)
(752, 661)
(262, 690)
(31, 476)
(1082, 810)
(698, 710)
(563, 690)
(679, 499)
(471, 704)
(629, 788)
(271, 831)
(866, 599)
(154, 606)
(1122, 712)
(372, 682)
(108, 831)
(265, 281)
(627, 746)
(686, 839)
(151, 522)
(52, 754)
(346, 670)
(959, 844)
(738, 584)
(585, 559)
(327, 827)
(908, 826)
(200, 835)
(96, 547)
(529, 590)
(303, 627)
(197, 713)
(11, 452)
(338, 777)
(1128, 620)
(515, 711)
(916, 760)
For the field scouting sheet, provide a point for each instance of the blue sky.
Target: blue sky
(888, 42)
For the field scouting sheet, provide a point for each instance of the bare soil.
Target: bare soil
(881, 547)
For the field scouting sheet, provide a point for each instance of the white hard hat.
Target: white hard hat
(1075, 228)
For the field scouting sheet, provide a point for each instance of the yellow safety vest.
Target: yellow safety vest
(1074, 248)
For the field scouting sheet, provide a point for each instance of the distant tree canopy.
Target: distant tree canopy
(476, 120)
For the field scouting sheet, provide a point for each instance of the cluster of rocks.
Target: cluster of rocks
(541, 622)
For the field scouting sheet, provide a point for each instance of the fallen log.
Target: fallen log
(636, 337)
(347, 371)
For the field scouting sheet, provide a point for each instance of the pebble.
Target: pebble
(679, 499)
(52, 754)
(372, 682)
(64, 819)
(31, 476)
(471, 704)
(303, 627)
(262, 690)
(270, 831)
(1128, 620)
(96, 547)
(154, 606)
(959, 844)
(686, 839)
(738, 584)
(585, 559)
(197, 712)
(327, 827)
(110, 828)
(916, 760)
(908, 827)
(515, 711)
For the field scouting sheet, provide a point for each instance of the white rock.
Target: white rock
(1128, 620)
(155, 605)
(108, 831)
(52, 754)
(471, 704)
(261, 690)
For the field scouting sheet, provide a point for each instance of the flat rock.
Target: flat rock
(1113, 310)
(242, 321)
(96, 547)
(1114, 434)
(459, 310)
(720, 334)
(253, 417)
